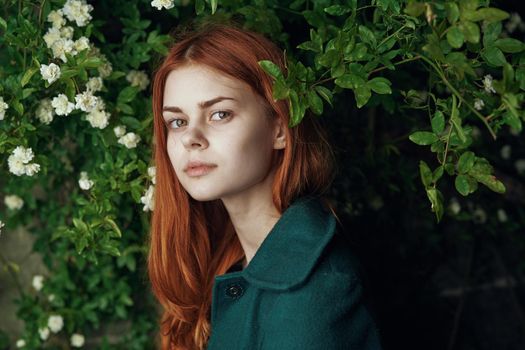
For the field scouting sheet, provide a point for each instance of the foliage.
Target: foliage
(91, 228)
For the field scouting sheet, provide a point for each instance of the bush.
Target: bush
(75, 129)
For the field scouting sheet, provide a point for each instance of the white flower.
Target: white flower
(44, 333)
(38, 282)
(505, 152)
(152, 172)
(67, 32)
(53, 34)
(62, 105)
(51, 297)
(18, 162)
(20, 343)
(105, 69)
(148, 199)
(94, 84)
(479, 104)
(81, 44)
(98, 118)
(119, 130)
(84, 182)
(479, 216)
(51, 72)
(159, 4)
(32, 169)
(78, 11)
(44, 111)
(520, 166)
(1, 225)
(56, 18)
(13, 202)
(77, 340)
(55, 323)
(86, 101)
(502, 215)
(61, 47)
(3, 107)
(130, 140)
(487, 83)
(138, 78)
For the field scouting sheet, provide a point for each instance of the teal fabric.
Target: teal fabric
(301, 290)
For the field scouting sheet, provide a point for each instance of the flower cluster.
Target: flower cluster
(50, 72)
(45, 111)
(138, 78)
(130, 139)
(148, 199)
(13, 202)
(3, 107)
(84, 182)
(159, 4)
(19, 160)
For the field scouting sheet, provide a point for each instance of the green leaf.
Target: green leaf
(367, 36)
(436, 200)
(337, 10)
(280, 90)
(199, 7)
(466, 162)
(462, 185)
(127, 94)
(425, 173)
(455, 37)
(415, 9)
(471, 31)
(272, 69)
(315, 102)
(438, 122)
(295, 111)
(510, 45)
(324, 93)
(490, 181)
(452, 12)
(362, 95)
(380, 85)
(493, 56)
(423, 138)
(438, 173)
(349, 81)
(214, 6)
(491, 14)
(27, 75)
(3, 23)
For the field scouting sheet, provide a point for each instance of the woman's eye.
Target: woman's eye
(222, 114)
(176, 123)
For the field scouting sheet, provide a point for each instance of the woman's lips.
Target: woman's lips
(200, 170)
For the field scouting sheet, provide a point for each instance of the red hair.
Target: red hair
(190, 241)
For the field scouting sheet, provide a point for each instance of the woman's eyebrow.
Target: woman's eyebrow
(202, 105)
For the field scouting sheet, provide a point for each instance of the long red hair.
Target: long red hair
(190, 241)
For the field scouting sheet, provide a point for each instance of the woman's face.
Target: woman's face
(217, 120)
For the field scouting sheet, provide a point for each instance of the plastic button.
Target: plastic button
(234, 291)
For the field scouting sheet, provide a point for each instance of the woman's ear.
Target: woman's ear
(279, 139)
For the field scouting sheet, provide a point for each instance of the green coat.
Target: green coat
(300, 291)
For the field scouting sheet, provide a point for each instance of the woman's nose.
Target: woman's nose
(194, 137)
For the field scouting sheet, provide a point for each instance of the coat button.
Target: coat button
(234, 291)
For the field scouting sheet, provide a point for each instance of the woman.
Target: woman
(243, 252)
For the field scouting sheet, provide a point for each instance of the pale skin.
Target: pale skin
(233, 134)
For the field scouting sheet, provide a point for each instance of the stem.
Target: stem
(391, 35)
(395, 64)
(458, 95)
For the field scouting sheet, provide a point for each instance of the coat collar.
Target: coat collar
(292, 247)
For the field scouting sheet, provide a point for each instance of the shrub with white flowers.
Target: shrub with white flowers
(66, 58)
